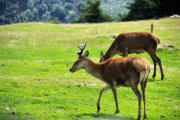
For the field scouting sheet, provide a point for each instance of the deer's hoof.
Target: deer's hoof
(98, 109)
(139, 118)
(162, 77)
(117, 111)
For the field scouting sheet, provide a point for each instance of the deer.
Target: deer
(125, 71)
(135, 42)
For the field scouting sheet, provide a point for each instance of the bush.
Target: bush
(93, 13)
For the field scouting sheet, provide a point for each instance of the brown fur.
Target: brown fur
(120, 69)
(135, 42)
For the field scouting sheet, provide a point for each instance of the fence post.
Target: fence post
(152, 28)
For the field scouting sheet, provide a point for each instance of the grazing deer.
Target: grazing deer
(125, 71)
(135, 42)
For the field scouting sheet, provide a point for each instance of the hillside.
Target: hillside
(15, 11)
(115, 7)
(35, 82)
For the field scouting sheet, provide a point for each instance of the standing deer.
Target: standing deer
(135, 42)
(126, 71)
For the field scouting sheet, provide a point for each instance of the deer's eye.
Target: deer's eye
(77, 62)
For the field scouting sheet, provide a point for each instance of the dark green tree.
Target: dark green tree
(43, 8)
(9, 12)
(30, 4)
(28, 14)
(14, 11)
(46, 16)
(58, 12)
(168, 7)
(35, 13)
(143, 9)
(2, 7)
(93, 13)
(68, 6)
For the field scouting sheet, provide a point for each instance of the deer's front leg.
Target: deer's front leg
(125, 52)
(134, 87)
(101, 92)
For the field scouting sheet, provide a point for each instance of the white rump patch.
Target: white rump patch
(144, 75)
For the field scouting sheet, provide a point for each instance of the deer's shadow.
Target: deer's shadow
(154, 79)
(104, 116)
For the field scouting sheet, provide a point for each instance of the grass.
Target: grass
(35, 82)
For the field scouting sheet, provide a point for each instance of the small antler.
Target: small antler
(81, 47)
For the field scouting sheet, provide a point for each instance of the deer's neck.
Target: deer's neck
(111, 51)
(93, 68)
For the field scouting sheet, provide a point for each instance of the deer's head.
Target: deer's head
(81, 61)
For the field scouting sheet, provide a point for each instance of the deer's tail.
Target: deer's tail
(158, 40)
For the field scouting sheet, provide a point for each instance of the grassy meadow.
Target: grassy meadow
(35, 82)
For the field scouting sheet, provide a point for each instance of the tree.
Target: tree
(56, 21)
(43, 8)
(64, 10)
(2, 7)
(58, 12)
(30, 4)
(35, 13)
(121, 17)
(93, 13)
(143, 9)
(168, 7)
(9, 12)
(28, 14)
(2, 19)
(46, 16)
(68, 6)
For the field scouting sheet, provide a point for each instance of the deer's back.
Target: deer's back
(136, 41)
(123, 69)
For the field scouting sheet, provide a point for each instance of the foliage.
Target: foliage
(9, 11)
(146, 9)
(14, 11)
(142, 9)
(56, 21)
(121, 17)
(115, 7)
(58, 12)
(168, 7)
(93, 13)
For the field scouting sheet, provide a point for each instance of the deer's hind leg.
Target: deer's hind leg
(114, 90)
(160, 66)
(143, 88)
(155, 59)
(154, 74)
(134, 87)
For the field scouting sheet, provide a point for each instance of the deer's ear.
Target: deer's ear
(101, 55)
(86, 54)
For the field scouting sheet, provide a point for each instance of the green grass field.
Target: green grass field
(35, 82)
